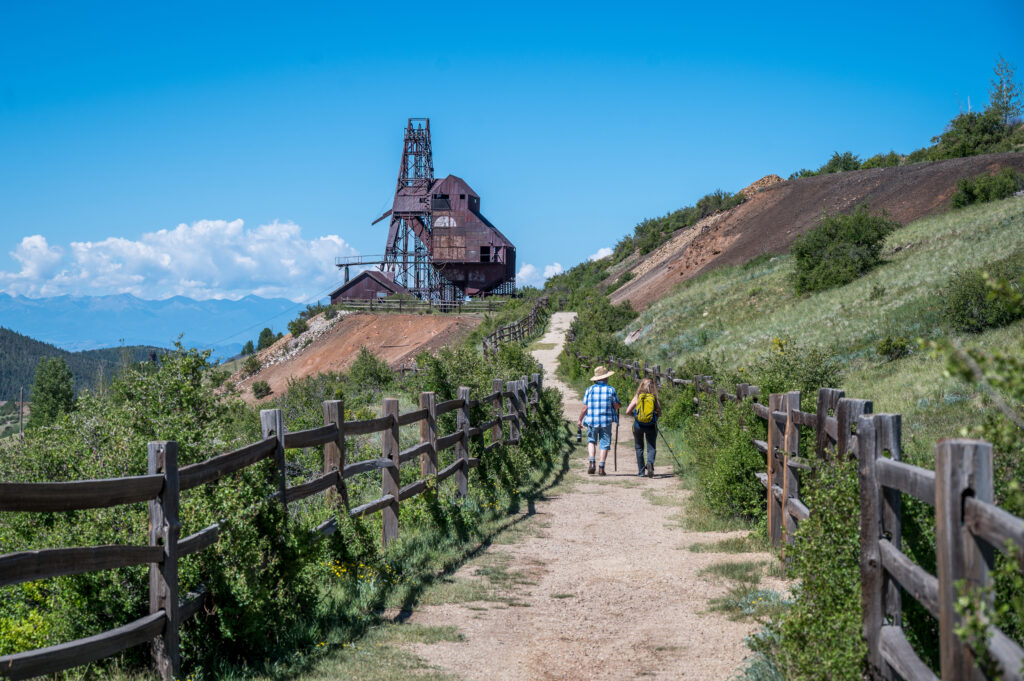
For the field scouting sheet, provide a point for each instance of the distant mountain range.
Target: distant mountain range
(91, 322)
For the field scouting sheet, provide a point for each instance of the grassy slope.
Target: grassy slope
(735, 312)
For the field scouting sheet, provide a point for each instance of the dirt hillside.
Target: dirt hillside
(771, 218)
(395, 338)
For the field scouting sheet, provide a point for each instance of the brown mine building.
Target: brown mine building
(439, 245)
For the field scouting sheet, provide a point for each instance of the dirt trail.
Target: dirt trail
(613, 592)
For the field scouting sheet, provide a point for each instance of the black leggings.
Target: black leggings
(639, 434)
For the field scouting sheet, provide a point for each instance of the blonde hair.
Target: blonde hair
(648, 385)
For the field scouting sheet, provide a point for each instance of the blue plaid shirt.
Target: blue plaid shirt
(599, 399)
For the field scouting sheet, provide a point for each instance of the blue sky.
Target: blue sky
(219, 149)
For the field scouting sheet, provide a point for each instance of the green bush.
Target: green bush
(724, 461)
(53, 392)
(820, 633)
(251, 365)
(297, 327)
(983, 188)
(260, 389)
(893, 347)
(370, 372)
(968, 304)
(266, 338)
(626, 276)
(839, 250)
(882, 161)
(789, 366)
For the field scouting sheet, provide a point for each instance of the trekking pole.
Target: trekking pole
(678, 463)
(615, 449)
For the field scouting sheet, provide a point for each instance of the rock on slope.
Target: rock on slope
(778, 212)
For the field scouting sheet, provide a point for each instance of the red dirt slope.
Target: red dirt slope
(768, 221)
(395, 338)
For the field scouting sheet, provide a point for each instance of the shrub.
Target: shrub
(248, 348)
(260, 389)
(840, 249)
(725, 462)
(330, 313)
(821, 631)
(968, 304)
(882, 161)
(788, 366)
(370, 372)
(893, 347)
(251, 365)
(297, 327)
(983, 188)
(877, 292)
(626, 276)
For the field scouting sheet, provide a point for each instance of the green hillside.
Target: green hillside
(20, 354)
(732, 315)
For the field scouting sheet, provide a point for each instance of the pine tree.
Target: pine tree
(248, 348)
(266, 339)
(1005, 94)
(53, 392)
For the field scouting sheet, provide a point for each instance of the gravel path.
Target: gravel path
(613, 594)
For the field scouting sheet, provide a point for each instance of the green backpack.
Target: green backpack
(645, 408)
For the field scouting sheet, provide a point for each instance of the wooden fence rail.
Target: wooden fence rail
(516, 331)
(969, 527)
(165, 481)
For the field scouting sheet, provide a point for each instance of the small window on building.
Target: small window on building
(462, 197)
(485, 254)
(440, 202)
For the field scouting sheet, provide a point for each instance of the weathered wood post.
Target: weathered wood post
(847, 414)
(962, 468)
(525, 389)
(462, 446)
(513, 410)
(497, 431)
(879, 519)
(272, 424)
(535, 380)
(334, 452)
(776, 440)
(790, 485)
(828, 401)
(871, 571)
(428, 433)
(164, 529)
(657, 375)
(390, 475)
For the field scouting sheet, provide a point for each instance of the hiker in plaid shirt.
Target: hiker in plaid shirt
(600, 410)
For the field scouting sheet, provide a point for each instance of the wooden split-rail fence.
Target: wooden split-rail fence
(166, 481)
(969, 527)
(516, 331)
(399, 305)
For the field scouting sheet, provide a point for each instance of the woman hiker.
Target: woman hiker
(645, 408)
(600, 409)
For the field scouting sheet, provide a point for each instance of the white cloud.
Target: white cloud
(529, 275)
(552, 270)
(601, 254)
(207, 259)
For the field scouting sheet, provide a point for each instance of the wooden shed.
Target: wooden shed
(368, 285)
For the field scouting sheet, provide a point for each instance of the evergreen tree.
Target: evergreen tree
(1005, 94)
(53, 392)
(266, 339)
(248, 348)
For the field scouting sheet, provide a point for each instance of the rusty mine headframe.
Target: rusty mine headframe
(439, 246)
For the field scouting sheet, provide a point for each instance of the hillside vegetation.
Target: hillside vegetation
(20, 354)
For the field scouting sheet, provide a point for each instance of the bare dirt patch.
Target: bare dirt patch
(395, 338)
(777, 212)
(604, 587)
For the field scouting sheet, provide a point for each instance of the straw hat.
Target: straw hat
(601, 373)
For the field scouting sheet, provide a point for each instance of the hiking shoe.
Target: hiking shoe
(590, 468)
(650, 469)
(641, 473)
(601, 471)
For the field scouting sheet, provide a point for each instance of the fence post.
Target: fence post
(389, 476)
(775, 441)
(535, 380)
(889, 434)
(334, 452)
(164, 529)
(962, 468)
(828, 400)
(790, 485)
(846, 418)
(497, 431)
(513, 410)
(272, 423)
(428, 433)
(524, 386)
(462, 446)
(872, 594)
